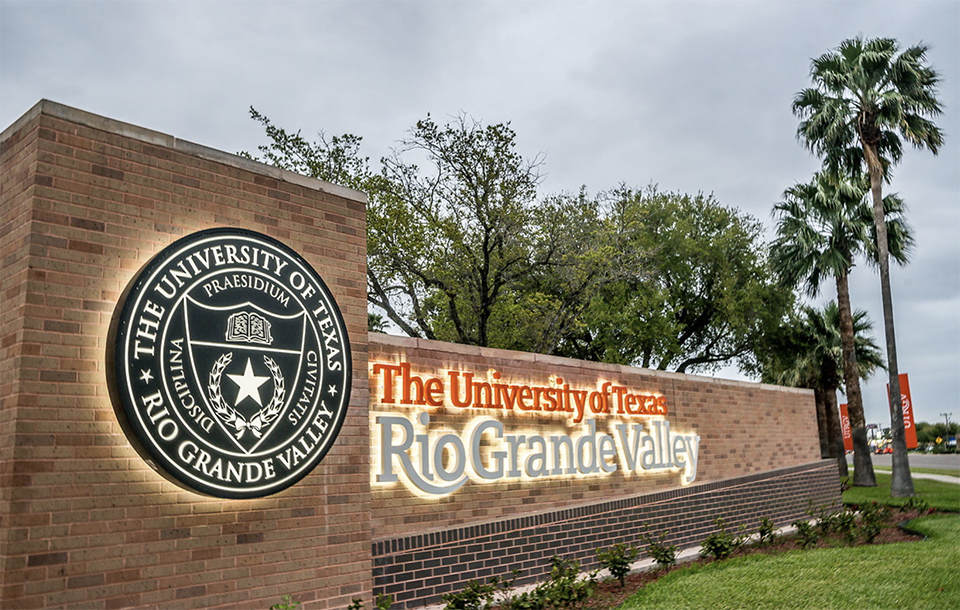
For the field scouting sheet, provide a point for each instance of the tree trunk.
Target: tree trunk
(822, 425)
(863, 475)
(902, 482)
(834, 433)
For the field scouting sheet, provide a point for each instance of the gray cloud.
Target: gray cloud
(692, 95)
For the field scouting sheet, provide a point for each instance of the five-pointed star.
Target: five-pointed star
(249, 384)
(145, 376)
(332, 390)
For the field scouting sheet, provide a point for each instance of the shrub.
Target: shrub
(528, 600)
(563, 589)
(664, 555)
(807, 536)
(915, 503)
(617, 560)
(767, 532)
(382, 602)
(872, 518)
(474, 596)
(721, 544)
(825, 519)
(845, 524)
(286, 603)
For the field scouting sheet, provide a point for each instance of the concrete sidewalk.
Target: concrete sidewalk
(882, 462)
(945, 478)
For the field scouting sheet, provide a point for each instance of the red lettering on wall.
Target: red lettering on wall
(464, 390)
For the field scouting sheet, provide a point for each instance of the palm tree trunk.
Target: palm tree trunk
(863, 475)
(901, 485)
(835, 435)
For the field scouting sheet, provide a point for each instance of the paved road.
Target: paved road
(921, 460)
(918, 460)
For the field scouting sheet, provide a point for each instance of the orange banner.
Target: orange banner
(909, 428)
(845, 428)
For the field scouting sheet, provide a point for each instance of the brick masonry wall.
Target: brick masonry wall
(417, 570)
(748, 469)
(86, 201)
(742, 426)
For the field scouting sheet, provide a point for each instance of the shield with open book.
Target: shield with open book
(246, 364)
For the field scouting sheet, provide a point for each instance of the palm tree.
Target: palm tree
(822, 226)
(866, 97)
(807, 353)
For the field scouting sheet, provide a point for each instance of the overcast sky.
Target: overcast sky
(692, 96)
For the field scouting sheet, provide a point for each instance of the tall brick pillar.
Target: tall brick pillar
(86, 523)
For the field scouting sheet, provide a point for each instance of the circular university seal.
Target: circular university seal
(229, 364)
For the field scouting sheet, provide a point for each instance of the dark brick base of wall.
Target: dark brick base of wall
(418, 570)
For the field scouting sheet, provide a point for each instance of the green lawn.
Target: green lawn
(909, 575)
(942, 496)
(920, 575)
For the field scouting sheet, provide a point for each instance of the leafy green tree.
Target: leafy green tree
(547, 303)
(821, 227)
(867, 97)
(336, 160)
(807, 352)
(460, 249)
(928, 433)
(689, 289)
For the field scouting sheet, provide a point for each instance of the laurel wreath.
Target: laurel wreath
(229, 416)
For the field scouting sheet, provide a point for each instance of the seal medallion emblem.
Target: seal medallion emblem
(229, 364)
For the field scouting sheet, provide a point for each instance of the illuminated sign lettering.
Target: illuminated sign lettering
(463, 390)
(435, 461)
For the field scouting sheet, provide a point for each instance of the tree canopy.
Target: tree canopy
(806, 351)
(461, 247)
(695, 290)
(866, 99)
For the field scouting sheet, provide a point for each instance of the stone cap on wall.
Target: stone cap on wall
(163, 140)
(621, 369)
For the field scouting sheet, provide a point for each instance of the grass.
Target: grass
(942, 496)
(909, 575)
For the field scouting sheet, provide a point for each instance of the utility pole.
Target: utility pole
(946, 417)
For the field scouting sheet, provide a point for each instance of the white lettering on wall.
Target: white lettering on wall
(438, 462)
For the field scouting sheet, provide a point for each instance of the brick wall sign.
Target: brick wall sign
(193, 413)
(231, 364)
(484, 461)
(211, 284)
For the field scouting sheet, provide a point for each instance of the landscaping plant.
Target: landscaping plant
(476, 596)
(286, 603)
(665, 555)
(767, 532)
(617, 560)
(721, 544)
(872, 518)
(807, 536)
